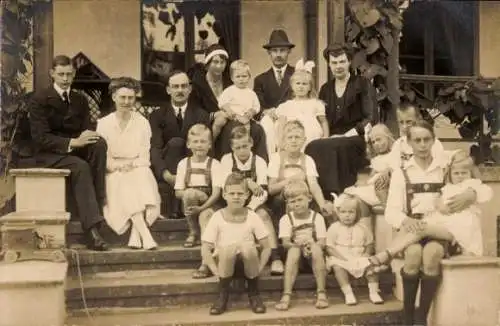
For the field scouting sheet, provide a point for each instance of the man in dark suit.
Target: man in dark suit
(169, 126)
(59, 119)
(273, 86)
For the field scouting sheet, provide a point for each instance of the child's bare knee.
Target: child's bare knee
(316, 251)
(293, 254)
(339, 270)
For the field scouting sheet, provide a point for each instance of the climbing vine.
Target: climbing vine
(373, 27)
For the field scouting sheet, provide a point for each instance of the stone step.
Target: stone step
(301, 313)
(118, 259)
(175, 287)
(163, 231)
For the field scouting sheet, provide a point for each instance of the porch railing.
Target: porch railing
(426, 86)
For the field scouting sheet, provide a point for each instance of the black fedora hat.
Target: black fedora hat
(278, 39)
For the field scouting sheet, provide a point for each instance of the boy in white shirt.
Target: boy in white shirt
(230, 236)
(198, 184)
(292, 164)
(238, 101)
(303, 233)
(254, 169)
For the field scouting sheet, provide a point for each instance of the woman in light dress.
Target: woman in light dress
(133, 200)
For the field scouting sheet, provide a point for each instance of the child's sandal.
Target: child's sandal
(284, 304)
(322, 303)
(376, 266)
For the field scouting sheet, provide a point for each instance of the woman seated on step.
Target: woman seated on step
(132, 193)
(412, 205)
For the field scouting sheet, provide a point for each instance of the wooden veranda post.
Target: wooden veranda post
(393, 84)
(336, 24)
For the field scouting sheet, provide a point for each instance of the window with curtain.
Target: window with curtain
(439, 38)
(176, 33)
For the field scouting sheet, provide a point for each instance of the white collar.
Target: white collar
(248, 162)
(176, 108)
(437, 162)
(282, 69)
(60, 91)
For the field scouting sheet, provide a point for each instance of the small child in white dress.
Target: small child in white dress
(304, 107)
(380, 140)
(465, 225)
(348, 240)
(238, 101)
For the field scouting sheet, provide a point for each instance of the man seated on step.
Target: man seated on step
(169, 127)
(62, 138)
(254, 169)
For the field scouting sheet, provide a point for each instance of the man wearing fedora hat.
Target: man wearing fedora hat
(273, 86)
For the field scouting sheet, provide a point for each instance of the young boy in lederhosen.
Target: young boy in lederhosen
(198, 183)
(242, 160)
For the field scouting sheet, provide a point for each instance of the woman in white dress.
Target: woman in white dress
(132, 192)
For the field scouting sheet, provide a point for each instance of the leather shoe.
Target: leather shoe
(95, 241)
(256, 304)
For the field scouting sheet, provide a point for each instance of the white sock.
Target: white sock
(141, 226)
(373, 287)
(347, 289)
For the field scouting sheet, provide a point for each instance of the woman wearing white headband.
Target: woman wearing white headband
(208, 80)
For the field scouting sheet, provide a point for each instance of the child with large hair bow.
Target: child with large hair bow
(304, 107)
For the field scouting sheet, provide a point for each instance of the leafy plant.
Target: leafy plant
(466, 105)
(17, 48)
(370, 29)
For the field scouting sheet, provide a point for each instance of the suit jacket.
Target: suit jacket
(354, 109)
(164, 127)
(53, 123)
(268, 91)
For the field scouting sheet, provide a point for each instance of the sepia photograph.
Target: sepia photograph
(249, 162)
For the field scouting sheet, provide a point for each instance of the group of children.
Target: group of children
(240, 208)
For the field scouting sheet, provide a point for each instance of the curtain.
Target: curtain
(227, 27)
(454, 35)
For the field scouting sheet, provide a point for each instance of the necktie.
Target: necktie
(179, 117)
(65, 97)
(279, 76)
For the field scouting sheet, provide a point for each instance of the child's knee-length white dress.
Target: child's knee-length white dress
(466, 224)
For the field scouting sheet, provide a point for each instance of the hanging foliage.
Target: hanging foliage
(466, 104)
(17, 49)
(371, 27)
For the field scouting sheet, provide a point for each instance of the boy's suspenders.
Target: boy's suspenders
(303, 226)
(414, 188)
(252, 173)
(206, 172)
(283, 166)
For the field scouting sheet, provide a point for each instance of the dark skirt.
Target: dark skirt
(338, 160)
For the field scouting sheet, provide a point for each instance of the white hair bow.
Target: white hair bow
(307, 66)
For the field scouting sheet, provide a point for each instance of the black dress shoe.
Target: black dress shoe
(256, 304)
(95, 241)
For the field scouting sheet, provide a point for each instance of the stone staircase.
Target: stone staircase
(137, 287)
